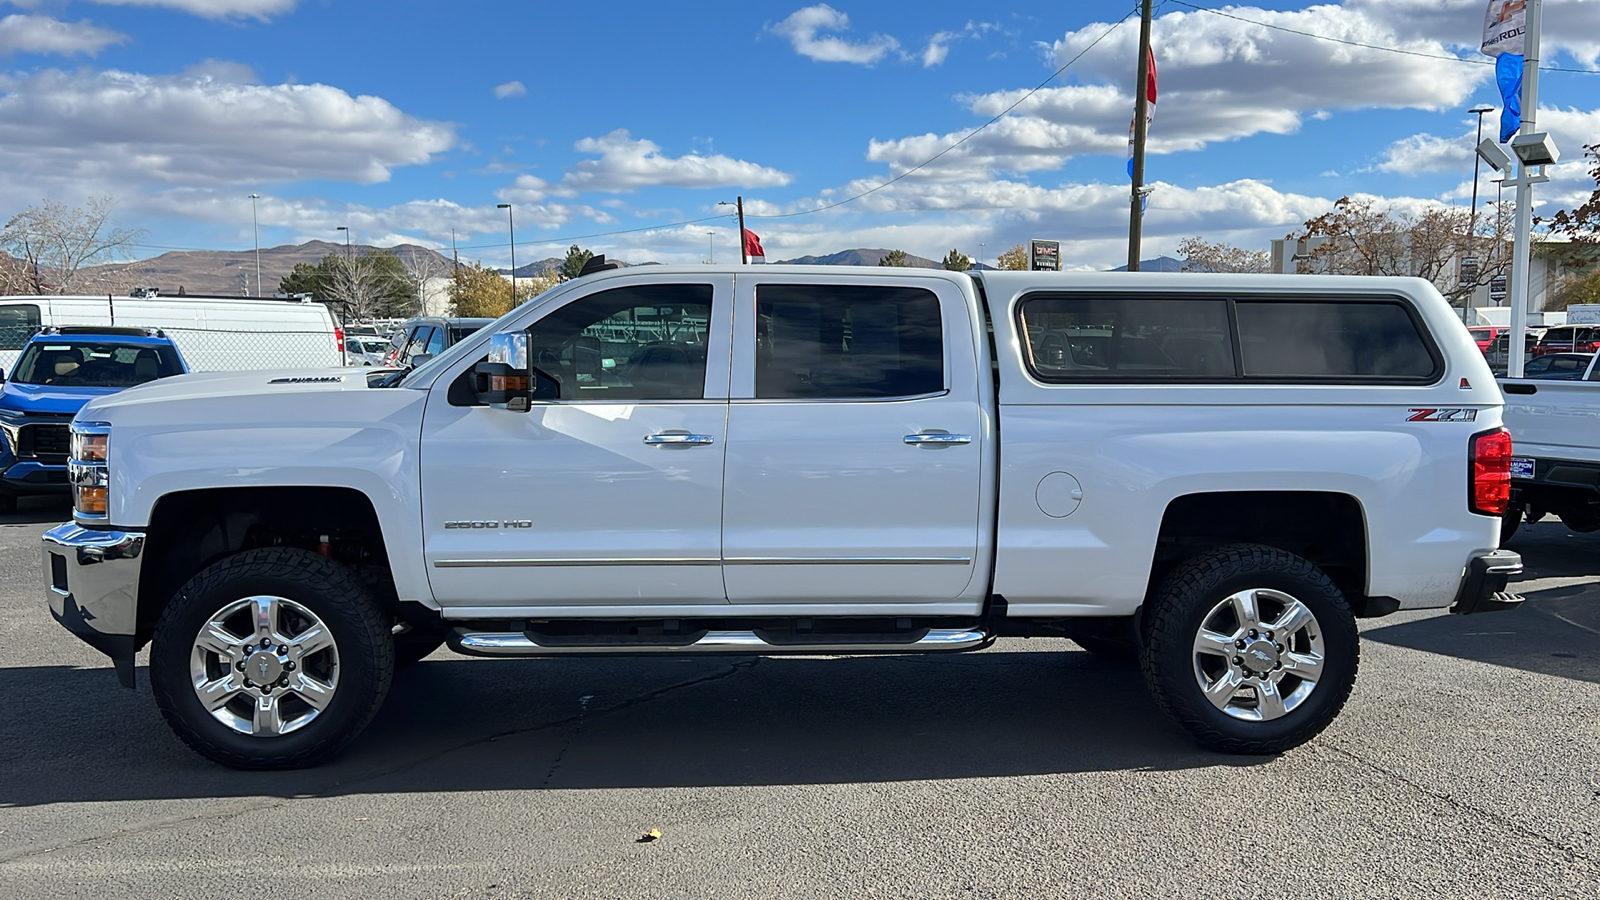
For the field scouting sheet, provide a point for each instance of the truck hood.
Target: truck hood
(30, 399)
(213, 385)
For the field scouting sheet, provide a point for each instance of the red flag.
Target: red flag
(752, 247)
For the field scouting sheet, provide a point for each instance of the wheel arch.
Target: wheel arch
(190, 530)
(1327, 528)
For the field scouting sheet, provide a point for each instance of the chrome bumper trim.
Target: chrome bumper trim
(479, 643)
(93, 590)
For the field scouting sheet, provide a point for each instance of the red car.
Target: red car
(1569, 339)
(1485, 335)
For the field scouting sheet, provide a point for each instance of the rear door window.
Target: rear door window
(847, 342)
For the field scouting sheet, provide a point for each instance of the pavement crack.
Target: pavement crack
(1499, 820)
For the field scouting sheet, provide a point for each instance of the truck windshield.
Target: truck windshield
(95, 364)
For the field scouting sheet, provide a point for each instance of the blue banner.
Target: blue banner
(1508, 72)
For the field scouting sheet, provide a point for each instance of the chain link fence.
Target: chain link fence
(220, 350)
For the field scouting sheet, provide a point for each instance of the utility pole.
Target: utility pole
(256, 227)
(1141, 108)
(454, 256)
(744, 258)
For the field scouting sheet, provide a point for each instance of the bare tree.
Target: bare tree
(422, 266)
(57, 250)
(1364, 239)
(1199, 256)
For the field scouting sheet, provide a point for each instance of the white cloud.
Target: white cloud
(510, 89)
(938, 49)
(1570, 26)
(803, 25)
(525, 189)
(261, 10)
(1427, 153)
(124, 129)
(626, 164)
(23, 33)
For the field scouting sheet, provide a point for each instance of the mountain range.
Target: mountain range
(233, 272)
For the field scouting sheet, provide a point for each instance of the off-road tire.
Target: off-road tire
(360, 629)
(1176, 612)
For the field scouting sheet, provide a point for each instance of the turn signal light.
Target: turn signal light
(1489, 491)
(91, 500)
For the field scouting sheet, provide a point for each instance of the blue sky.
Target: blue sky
(405, 120)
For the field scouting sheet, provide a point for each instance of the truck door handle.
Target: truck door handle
(937, 437)
(679, 438)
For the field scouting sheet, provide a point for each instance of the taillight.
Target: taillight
(1590, 346)
(338, 338)
(1489, 490)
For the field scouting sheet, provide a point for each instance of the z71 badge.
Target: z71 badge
(1442, 415)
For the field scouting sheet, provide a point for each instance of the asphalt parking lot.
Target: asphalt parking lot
(1467, 764)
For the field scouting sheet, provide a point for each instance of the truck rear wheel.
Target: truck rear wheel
(1250, 649)
(271, 659)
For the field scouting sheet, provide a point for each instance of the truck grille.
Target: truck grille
(48, 443)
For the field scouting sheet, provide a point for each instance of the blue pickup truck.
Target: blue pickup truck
(58, 371)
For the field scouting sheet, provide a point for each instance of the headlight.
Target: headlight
(86, 470)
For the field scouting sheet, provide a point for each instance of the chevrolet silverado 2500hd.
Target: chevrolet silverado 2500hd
(1217, 474)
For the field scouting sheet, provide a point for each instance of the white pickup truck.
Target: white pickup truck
(1556, 470)
(1216, 474)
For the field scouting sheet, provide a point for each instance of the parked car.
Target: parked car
(364, 350)
(425, 337)
(1498, 356)
(807, 460)
(1556, 469)
(58, 371)
(216, 334)
(1485, 335)
(1568, 339)
(1558, 366)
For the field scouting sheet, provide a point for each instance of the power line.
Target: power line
(1334, 40)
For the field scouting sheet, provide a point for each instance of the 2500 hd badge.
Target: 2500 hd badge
(491, 523)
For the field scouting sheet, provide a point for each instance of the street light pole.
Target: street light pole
(511, 223)
(346, 230)
(254, 226)
(1472, 221)
(711, 248)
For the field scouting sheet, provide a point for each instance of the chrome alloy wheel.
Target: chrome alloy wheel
(264, 666)
(1258, 654)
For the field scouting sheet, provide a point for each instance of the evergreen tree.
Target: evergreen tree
(895, 258)
(956, 261)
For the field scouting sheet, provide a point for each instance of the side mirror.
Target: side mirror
(2, 376)
(419, 359)
(505, 380)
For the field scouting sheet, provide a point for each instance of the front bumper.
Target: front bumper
(1483, 589)
(92, 584)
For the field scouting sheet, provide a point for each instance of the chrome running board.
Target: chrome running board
(516, 643)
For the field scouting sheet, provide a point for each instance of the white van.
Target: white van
(215, 334)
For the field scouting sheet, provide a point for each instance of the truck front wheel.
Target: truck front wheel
(1250, 649)
(271, 659)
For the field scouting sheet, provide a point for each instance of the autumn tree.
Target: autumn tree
(896, 258)
(1581, 224)
(572, 266)
(956, 261)
(1015, 259)
(54, 249)
(1200, 256)
(477, 291)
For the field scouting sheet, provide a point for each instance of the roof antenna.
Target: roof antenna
(112, 306)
